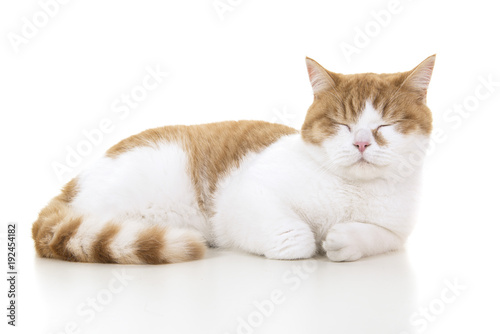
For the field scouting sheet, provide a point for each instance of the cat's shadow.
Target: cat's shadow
(372, 295)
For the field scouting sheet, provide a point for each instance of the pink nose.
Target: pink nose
(362, 145)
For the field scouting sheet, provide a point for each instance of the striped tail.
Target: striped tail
(60, 233)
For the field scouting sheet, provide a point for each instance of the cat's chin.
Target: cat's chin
(362, 162)
(364, 170)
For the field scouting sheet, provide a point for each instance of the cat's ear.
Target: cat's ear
(419, 78)
(319, 77)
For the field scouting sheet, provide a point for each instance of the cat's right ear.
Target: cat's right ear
(319, 77)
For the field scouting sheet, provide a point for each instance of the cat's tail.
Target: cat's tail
(62, 234)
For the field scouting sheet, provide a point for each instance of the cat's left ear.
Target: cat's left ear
(319, 77)
(419, 78)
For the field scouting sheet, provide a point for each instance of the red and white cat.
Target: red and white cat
(335, 187)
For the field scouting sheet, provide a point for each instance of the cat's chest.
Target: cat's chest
(326, 202)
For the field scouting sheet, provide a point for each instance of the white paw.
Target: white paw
(292, 244)
(340, 245)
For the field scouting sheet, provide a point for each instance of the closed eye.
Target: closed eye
(347, 126)
(381, 126)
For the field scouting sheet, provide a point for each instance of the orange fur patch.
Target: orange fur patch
(56, 225)
(61, 237)
(195, 249)
(69, 191)
(42, 230)
(150, 244)
(101, 251)
(212, 149)
(379, 139)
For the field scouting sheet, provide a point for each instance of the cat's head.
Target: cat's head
(369, 125)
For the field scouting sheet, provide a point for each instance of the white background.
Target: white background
(248, 63)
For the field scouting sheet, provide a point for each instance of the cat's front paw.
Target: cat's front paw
(292, 244)
(341, 245)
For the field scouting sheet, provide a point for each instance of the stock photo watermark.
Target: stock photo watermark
(223, 7)
(12, 274)
(88, 310)
(121, 108)
(34, 23)
(453, 117)
(264, 309)
(421, 319)
(370, 30)
(484, 90)
(283, 116)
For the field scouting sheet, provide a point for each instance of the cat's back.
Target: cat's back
(224, 139)
(211, 149)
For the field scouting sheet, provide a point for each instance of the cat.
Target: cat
(334, 188)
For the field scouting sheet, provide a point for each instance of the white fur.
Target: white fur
(294, 198)
(142, 187)
(289, 201)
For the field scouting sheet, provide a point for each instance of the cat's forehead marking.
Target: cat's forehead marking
(369, 116)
